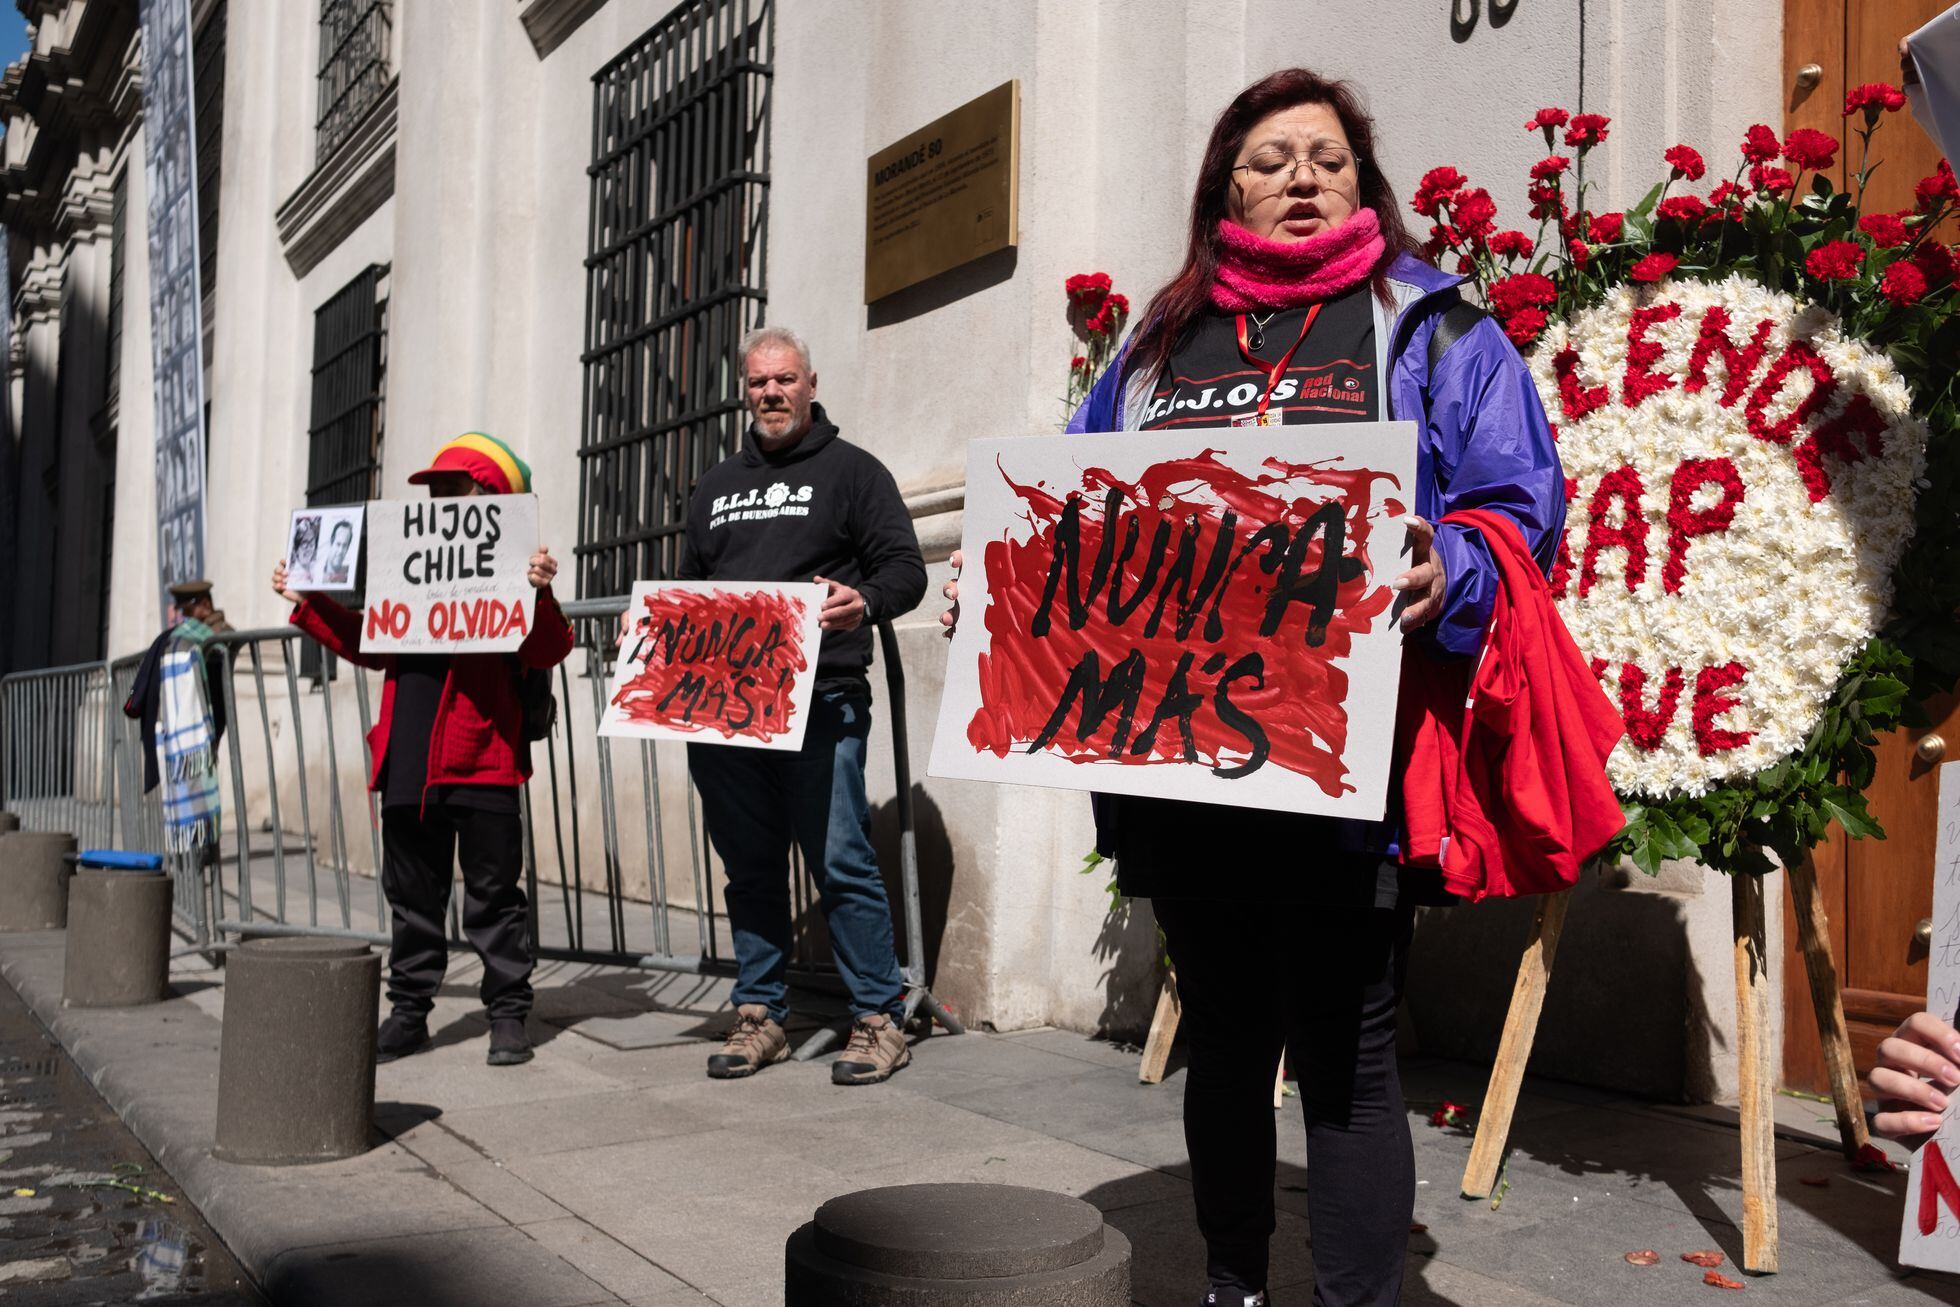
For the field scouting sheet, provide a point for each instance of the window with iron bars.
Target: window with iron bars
(350, 369)
(208, 118)
(673, 278)
(354, 45)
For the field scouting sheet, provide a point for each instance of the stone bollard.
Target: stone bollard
(8, 823)
(118, 935)
(34, 874)
(296, 1058)
(957, 1245)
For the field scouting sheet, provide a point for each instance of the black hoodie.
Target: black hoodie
(822, 507)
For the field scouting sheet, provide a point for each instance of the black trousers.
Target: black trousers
(418, 854)
(1323, 982)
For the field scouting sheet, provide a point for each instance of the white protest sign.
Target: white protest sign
(717, 662)
(1200, 614)
(1930, 1233)
(448, 575)
(1935, 52)
(323, 547)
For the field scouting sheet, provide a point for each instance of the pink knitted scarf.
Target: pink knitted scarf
(1256, 273)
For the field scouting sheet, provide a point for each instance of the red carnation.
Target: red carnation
(1810, 149)
(1474, 213)
(1546, 202)
(1512, 245)
(1077, 362)
(1437, 187)
(1887, 230)
(1653, 267)
(1683, 208)
(1547, 120)
(1761, 145)
(1605, 228)
(1687, 162)
(1771, 181)
(1523, 290)
(1101, 323)
(1440, 239)
(1119, 305)
(1581, 256)
(1728, 195)
(1936, 261)
(1587, 130)
(1938, 189)
(1904, 283)
(1835, 260)
(1524, 325)
(1548, 169)
(1874, 98)
(1087, 288)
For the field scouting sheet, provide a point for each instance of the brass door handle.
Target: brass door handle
(1922, 934)
(1808, 77)
(1931, 748)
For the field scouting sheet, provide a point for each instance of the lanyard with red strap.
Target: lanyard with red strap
(1276, 370)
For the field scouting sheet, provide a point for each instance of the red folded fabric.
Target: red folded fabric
(1504, 785)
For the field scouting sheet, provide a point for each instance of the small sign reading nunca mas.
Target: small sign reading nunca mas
(945, 195)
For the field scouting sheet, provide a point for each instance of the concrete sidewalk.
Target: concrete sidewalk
(611, 1170)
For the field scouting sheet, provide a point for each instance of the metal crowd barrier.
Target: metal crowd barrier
(301, 832)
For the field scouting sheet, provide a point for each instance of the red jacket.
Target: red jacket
(478, 737)
(1504, 785)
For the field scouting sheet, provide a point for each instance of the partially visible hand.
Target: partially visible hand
(1908, 67)
(843, 607)
(950, 619)
(543, 568)
(1425, 581)
(1918, 1066)
(279, 586)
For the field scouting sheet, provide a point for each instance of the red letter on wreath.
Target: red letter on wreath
(1823, 386)
(1685, 521)
(1740, 364)
(1576, 400)
(1641, 380)
(1622, 484)
(1711, 703)
(1646, 727)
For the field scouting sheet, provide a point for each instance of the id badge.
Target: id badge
(1253, 420)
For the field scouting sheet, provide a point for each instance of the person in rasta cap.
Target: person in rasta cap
(449, 754)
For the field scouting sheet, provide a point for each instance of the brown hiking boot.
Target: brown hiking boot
(754, 1043)
(877, 1049)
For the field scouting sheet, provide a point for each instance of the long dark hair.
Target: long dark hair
(1188, 294)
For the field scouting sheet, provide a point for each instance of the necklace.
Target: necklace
(1258, 340)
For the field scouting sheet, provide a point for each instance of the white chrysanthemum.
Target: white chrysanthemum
(1794, 588)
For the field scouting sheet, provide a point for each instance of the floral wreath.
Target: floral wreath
(1757, 412)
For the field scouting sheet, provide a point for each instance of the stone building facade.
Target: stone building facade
(550, 220)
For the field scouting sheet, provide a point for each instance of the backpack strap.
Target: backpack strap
(1452, 325)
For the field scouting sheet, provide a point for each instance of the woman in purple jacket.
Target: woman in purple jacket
(1301, 300)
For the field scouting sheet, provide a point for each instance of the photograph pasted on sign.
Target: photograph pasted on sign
(323, 547)
(1202, 615)
(448, 575)
(717, 662)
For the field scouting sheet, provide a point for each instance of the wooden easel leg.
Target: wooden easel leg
(1814, 936)
(1757, 1075)
(1163, 1033)
(1514, 1049)
(1279, 1082)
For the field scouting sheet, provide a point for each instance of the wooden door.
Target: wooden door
(1876, 892)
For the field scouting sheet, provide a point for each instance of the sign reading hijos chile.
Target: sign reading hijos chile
(717, 662)
(1202, 615)
(449, 575)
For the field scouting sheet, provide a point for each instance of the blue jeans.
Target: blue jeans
(757, 801)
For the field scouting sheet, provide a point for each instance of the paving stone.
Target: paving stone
(1168, 1255)
(574, 1122)
(611, 1264)
(1055, 1164)
(454, 1269)
(493, 1185)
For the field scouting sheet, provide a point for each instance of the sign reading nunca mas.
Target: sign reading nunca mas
(945, 195)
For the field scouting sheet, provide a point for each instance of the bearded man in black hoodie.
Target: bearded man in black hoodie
(799, 503)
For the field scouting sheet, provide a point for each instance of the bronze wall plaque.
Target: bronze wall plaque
(945, 195)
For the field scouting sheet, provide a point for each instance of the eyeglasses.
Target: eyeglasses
(1270, 171)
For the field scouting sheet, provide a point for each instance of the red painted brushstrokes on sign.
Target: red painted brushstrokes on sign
(716, 662)
(1198, 616)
